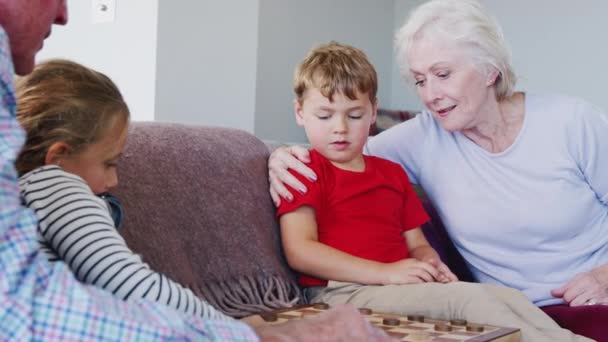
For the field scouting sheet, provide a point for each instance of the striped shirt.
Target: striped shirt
(75, 226)
(42, 301)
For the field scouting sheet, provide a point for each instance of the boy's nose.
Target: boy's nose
(340, 126)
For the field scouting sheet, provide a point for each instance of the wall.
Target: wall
(288, 29)
(557, 46)
(230, 62)
(207, 54)
(125, 49)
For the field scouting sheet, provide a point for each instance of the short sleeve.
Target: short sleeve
(312, 197)
(414, 214)
(588, 144)
(404, 144)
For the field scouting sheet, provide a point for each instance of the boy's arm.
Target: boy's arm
(420, 249)
(307, 255)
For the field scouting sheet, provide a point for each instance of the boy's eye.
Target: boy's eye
(322, 117)
(355, 116)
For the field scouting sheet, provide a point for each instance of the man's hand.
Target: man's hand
(279, 163)
(587, 288)
(342, 323)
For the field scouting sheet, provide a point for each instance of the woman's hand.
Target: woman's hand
(587, 288)
(280, 161)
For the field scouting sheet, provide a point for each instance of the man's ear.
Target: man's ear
(297, 108)
(56, 153)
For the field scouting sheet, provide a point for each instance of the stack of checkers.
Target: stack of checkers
(411, 328)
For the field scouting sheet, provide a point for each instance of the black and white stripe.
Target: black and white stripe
(76, 228)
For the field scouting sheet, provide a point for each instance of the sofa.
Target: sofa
(197, 209)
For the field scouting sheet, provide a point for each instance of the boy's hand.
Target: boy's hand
(445, 274)
(409, 271)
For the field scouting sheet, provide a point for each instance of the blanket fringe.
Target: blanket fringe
(248, 295)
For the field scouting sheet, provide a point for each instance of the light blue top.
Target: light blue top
(530, 217)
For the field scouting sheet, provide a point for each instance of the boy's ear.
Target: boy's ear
(297, 107)
(374, 110)
(56, 153)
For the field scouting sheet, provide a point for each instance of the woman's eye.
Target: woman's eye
(419, 83)
(443, 75)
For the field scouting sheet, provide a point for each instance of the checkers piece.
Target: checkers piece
(365, 311)
(394, 322)
(475, 328)
(458, 322)
(269, 316)
(321, 306)
(416, 318)
(442, 327)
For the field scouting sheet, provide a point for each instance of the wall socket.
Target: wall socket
(103, 11)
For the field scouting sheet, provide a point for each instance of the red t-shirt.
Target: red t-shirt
(360, 213)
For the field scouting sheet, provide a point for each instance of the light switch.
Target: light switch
(103, 11)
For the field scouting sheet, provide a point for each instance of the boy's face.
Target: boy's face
(339, 129)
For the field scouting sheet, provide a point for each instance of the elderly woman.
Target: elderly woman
(516, 177)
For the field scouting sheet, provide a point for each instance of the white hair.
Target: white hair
(465, 23)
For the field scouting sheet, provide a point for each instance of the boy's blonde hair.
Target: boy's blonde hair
(63, 101)
(336, 68)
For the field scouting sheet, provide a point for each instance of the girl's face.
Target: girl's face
(97, 162)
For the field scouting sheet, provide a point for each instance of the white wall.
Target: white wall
(403, 95)
(557, 45)
(207, 54)
(125, 49)
(288, 29)
(230, 62)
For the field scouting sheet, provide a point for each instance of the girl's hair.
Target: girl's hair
(336, 68)
(466, 23)
(63, 101)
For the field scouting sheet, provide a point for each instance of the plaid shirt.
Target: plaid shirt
(40, 300)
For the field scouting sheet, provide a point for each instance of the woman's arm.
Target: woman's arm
(77, 226)
(279, 163)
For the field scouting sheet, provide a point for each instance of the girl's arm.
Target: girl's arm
(76, 225)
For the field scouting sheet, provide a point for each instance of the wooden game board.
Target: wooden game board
(412, 328)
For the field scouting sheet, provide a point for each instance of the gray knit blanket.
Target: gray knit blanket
(197, 209)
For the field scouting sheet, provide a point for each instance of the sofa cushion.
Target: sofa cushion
(197, 209)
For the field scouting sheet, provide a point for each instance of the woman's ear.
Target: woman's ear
(492, 77)
(56, 153)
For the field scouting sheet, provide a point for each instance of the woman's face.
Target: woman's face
(451, 86)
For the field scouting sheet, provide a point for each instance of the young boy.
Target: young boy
(354, 236)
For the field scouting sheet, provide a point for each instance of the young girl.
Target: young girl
(76, 123)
